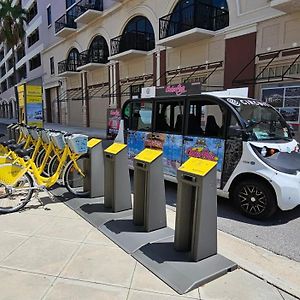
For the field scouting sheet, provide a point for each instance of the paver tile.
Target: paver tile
(16, 285)
(47, 256)
(67, 229)
(96, 237)
(238, 285)
(21, 223)
(9, 242)
(287, 296)
(72, 289)
(101, 264)
(144, 280)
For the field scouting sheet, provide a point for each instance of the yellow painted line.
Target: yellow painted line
(93, 142)
(148, 155)
(198, 166)
(115, 148)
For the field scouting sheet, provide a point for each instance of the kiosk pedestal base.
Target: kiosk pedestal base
(91, 209)
(177, 270)
(130, 237)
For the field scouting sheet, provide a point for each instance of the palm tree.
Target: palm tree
(12, 32)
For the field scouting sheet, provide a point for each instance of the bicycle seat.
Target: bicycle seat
(14, 147)
(24, 152)
(9, 142)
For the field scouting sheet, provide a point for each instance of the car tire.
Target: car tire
(255, 199)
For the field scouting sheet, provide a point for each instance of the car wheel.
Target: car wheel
(255, 199)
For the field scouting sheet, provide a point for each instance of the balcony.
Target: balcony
(287, 6)
(91, 60)
(193, 23)
(88, 10)
(67, 68)
(66, 24)
(131, 45)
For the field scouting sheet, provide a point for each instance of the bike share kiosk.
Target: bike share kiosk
(117, 195)
(196, 209)
(147, 222)
(149, 209)
(94, 169)
(190, 259)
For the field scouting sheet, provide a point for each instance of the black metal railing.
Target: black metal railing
(84, 5)
(134, 40)
(196, 15)
(98, 56)
(66, 21)
(67, 65)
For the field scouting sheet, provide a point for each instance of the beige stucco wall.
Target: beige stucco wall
(274, 29)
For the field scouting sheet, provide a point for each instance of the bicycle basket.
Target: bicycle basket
(46, 136)
(34, 133)
(58, 140)
(78, 143)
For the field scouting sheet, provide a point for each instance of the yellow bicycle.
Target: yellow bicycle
(19, 180)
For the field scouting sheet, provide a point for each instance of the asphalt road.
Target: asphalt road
(281, 234)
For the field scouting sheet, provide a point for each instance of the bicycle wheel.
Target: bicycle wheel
(12, 200)
(74, 181)
(52, 166)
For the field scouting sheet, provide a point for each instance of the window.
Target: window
(32, 12)
(136, 90)
(20, 52)
(205, 118)
(35, 62)
(3, 86)
(10, 63)
(235, 129)
(141, 116)
(11, 81)
(49, 16)
(33, 37)
(169, 116)
(3, 70)
(22, 73)
(52, 70)
(69, 3)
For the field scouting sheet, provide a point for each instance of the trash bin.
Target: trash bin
(196, 209)
(149, 209)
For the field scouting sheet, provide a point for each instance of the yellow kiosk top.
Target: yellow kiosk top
(148, 155)
(93, 142)
(115, 148)
(198, 166)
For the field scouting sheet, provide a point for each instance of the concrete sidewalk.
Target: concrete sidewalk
(50, 252)
(92, 132)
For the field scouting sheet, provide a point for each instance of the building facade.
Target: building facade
(28, 58)
(102, 52)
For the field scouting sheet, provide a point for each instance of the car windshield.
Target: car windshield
(262, 121)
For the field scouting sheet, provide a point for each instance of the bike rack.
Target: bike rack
(94, 169)
(117, 195)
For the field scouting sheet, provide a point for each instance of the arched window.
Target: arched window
(138, 34)
(188, 14)
(72, 60)
(98, 50)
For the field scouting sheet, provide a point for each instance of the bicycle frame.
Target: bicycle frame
(10, 174)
